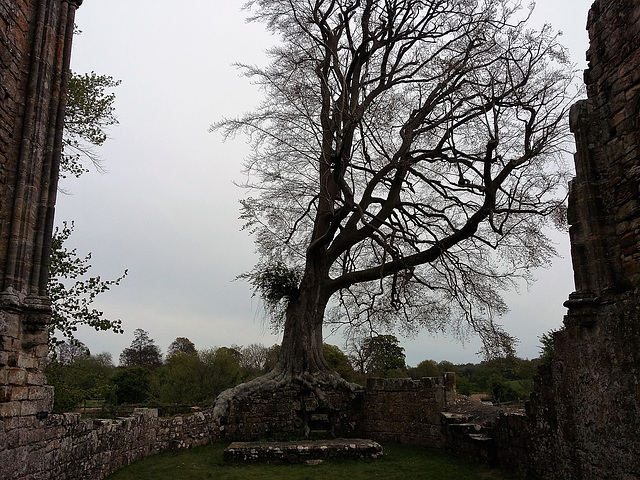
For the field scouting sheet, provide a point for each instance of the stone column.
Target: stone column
(35, 50)
(585, 408)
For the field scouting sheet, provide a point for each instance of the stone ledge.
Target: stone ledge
(302, 451)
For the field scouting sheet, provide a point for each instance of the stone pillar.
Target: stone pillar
(35, 49)
(604, 208)
(585, 409)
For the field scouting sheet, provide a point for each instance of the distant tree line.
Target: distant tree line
(188, 377)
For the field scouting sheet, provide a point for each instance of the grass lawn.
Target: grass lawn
(399, 462)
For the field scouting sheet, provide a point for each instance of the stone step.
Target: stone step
(467, 427)
(302, 451)
(480, 437)
(317, 434)
(455, 418)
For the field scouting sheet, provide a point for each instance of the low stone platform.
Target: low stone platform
(310, 451)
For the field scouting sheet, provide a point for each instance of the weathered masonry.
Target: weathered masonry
(586, 411)
(35, 47)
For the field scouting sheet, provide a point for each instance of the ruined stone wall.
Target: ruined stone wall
(393, 409)
(65, 447)
(406, 411)
(291, 412)
(585, 412)
(35, 47)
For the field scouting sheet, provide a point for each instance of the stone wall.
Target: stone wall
(35, 48)
(584, 416)
(406, 411)
(399, 410)
(64, 446)
(291, 412)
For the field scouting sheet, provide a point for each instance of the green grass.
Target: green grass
(399, 462)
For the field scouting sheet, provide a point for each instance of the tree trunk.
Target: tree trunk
(301, 360)
(301, 350)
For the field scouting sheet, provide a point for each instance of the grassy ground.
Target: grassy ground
(399, 462)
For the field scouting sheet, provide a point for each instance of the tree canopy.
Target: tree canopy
(380, 356)
(72, 291)
(181, 345)
(143, 351)
(88, 113)
(406, 160)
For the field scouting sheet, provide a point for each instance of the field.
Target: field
(399, 462)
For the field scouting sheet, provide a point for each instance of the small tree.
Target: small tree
(500, 390)
(89, 111)
(80, 379)
(271, 358)
(67, 351)
(181, 345)
(385, 357)
(445, 366)
(426, 368)
(133, 384)
(380, 356)
(181, 380)
(142, 352)
(72, 291)
(253, 359)
(339, 362)
(88, 114)
(222, 369)
(547, 346)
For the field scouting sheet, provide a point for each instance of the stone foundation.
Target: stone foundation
(394, 409)
(65, 446)
(302, 451)
(406, 411)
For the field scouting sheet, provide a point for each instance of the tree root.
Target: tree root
(278, 380)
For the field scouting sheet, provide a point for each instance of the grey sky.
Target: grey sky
(167, 208)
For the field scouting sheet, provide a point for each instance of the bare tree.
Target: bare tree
(406, 159)
(253, 357)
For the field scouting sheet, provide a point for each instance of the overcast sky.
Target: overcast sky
(167, 210)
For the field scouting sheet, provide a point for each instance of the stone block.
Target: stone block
(31, 407)
(304, 451)
(629, 210)
(10, 409)
(147, 412)
(16, 376)
(19, 393)
(39, 393)
(26, 361)
(5, 394)
(42, 350)
(17, 437)
(36, 378)
(9, 325)
(3, 439)
(4, 358)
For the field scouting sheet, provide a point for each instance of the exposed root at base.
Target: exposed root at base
(278, 380)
